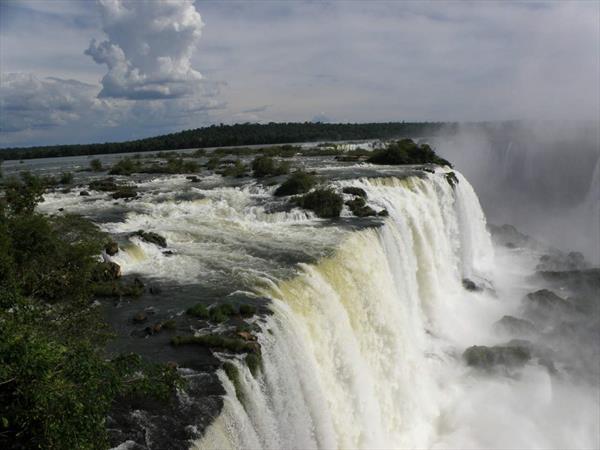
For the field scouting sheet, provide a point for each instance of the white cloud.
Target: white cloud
(29, 102)
(148, 50)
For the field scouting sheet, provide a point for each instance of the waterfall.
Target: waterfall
(352, 351)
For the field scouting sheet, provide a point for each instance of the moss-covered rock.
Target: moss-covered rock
(124, 192)
(299, 182)
(406, 151)
(356, 191)
(359, 207)
(452, 179)
(200, 311)
(325, 203)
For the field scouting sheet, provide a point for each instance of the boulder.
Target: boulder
(470, 285)
(483, 357)
(356, 191)
(193, 178)
(548, 300)
(84, 193)
(112, 248)
(515, 326)
(140, 317)
(151, 237)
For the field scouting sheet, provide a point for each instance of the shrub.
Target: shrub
(325, 203)
(213, 163)
(359, 208)
(125, 166)
(247, 310)
(406, 151)
(264, 166)
(66, 178)
(199, 311)
(96, 165)
(356, 191)
(237, 170)
(297, 183)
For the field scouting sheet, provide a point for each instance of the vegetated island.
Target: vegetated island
(238, 134)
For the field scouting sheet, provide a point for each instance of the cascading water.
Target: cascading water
(350, 353)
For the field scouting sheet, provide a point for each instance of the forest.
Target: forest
(238, 134)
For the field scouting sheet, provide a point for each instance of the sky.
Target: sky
(81, 71)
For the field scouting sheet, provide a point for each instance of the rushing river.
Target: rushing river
(369, 317)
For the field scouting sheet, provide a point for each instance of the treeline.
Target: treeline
(238, 134)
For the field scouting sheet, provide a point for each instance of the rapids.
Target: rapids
(363, 349)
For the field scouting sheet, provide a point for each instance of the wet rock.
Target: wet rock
(155, 290)
(452, 179)
(112, 248)
(356, 191)
(515, 326)
(548, 300)
(510, 245)
(193, 178)
(151, 237)
(383, 213)
(246, 335)
(359, 208)
(483, 357)
(140, 317)
(559, 261)
(107, 271)
(105, 185)
(61, 209)
(84, 193)
(124, 192)
(470, 285)
(168, 253)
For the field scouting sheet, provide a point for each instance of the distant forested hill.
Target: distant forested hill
(239, 134)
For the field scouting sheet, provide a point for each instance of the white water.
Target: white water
(363, 349)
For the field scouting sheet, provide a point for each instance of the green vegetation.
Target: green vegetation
(237, 170)
(57, 384)
(247, 310)
(173, 165)
(297, 183)
(406, 151)
(325, 203)
(200, 311)
(452, 179)
(265, 166)
(96, 165)
(356, 191)
(254, 362)
(240, 134)
(66, 178)
(359, 207)
(486, 358)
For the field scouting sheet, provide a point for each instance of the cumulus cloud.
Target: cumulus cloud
(148, 49)
(30, 102)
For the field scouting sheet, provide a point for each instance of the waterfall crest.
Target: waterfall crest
(349, 355)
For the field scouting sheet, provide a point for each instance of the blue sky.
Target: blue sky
(94, 71)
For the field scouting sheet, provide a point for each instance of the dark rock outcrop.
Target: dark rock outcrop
(151, 237)
(515, 326)
(486, 358)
